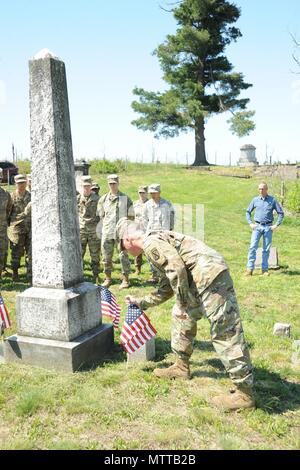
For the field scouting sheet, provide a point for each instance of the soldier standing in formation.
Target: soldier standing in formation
(88, 219)
(111, 207)
(199, 279)
(95, 188)
(5, 208)
(19, 231)
(158, 214)
(138, 207)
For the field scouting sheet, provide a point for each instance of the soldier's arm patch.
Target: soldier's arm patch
(157, 257)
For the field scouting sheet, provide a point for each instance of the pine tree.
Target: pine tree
(201, 79)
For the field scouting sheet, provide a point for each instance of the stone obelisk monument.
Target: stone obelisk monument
(59, 321)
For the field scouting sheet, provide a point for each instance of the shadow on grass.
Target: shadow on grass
(290, 272)
(275, 394)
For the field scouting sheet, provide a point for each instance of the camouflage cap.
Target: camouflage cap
(143, 189)
(86, 181)
(154, 188)
(20, 179)
(95, 185)
(113, 178)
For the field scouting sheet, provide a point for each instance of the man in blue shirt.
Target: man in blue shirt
(263, 226)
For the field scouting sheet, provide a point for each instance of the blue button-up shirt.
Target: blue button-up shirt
(264, 207)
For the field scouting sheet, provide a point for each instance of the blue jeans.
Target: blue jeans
(265, 232)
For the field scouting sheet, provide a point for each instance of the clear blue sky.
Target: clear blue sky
(107, 48)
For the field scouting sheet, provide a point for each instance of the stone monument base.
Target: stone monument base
(58, 314)
(81, 353)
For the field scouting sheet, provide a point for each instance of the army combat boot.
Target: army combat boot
(179, 370)
(125, 283)
(238, 399)
(107, 281)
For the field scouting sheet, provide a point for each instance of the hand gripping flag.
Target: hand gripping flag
(137, 329)
(109, 306)
(4, 318)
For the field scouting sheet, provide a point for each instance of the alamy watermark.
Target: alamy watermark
(187, 219)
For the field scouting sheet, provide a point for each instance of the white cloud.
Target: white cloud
(2, 92)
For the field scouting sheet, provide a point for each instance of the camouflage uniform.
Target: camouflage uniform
(158, 216)
(19, 231)
(111, 208)
(138, 207)
(5, 208)
(200, 280)
(88, 220)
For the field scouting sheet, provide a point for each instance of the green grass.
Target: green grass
(42, 409)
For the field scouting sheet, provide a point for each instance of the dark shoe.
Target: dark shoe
(179, 370)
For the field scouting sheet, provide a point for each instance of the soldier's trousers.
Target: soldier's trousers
(91, 240)
(22, 242)
(108, 251)
(3, 247)
(219, 305)
(138, 261)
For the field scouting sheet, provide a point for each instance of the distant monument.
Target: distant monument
(248, 157)
(59, 320)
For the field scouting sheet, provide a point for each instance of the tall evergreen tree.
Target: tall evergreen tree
(201, 79)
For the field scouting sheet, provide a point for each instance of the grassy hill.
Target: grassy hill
(120, 407)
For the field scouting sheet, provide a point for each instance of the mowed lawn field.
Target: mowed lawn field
(120, 407)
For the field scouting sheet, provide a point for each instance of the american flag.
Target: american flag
(109, 306)
(137, 329)
(4, 318)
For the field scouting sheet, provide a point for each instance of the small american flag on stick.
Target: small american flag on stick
(4, 318)
(109, 306)
(137, 329)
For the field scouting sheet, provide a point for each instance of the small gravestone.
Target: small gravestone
(144, 353)
(296, 353)
(1, 352)
(273, 258)
(282, 329)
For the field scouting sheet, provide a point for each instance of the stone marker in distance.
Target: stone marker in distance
(282, 329)
(296, 353)
(273, 258)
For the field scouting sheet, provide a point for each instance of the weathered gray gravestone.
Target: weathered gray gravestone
(296, 353)
(282, 329)
(144, 353)
(273, 258)
(59, 319)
